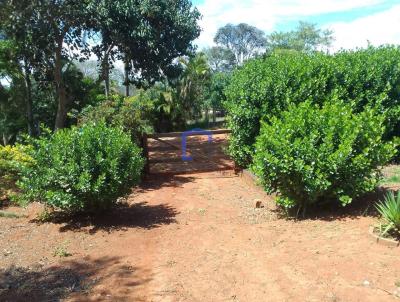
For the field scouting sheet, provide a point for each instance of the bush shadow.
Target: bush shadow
(155, 182)
(363, 206)
(121, 217)
(69, 279)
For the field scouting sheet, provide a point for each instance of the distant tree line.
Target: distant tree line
(238, 43)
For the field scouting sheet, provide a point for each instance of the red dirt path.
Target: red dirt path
(196, 238)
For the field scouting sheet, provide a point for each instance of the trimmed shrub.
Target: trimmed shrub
(313, 155)
(264, 87)
(83, 169)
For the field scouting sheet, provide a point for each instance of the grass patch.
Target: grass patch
(391, 175)
(62, 251)
(10, 215)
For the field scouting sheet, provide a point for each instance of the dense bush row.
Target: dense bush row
(82, 169)
(313, 155)
(266, 86)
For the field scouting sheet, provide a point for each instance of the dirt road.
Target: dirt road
(196, 238)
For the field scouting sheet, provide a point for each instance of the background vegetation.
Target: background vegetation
(265, 87)
(314, 126)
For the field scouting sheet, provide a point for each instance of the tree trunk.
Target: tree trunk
(106, 74)
(207, 116)
(62, 109)
(107, 84)
(126, 77)
(7, 139)
(214, 114)
(29, 105)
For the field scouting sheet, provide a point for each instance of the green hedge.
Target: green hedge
(82, 169)
(311, 155)
(264, 87)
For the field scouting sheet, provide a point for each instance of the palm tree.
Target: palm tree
(192, 84)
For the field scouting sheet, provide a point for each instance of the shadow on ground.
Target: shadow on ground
(363, 206)
(122, 217)
(69, 279)
(156, 182)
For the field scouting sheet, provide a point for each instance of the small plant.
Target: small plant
(390, 212)
(44, 216)
(61, 251)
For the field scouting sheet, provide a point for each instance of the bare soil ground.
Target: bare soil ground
(197, 238)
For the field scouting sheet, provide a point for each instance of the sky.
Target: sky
(355, 22)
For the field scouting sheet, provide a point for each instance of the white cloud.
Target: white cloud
(380, 28)
(266, 14)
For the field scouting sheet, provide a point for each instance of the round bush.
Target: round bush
(313, 155)
(83, 169)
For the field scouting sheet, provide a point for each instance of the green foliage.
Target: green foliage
(243, 40)
(312, 156)
(13, 160)
(390, 212)
(264, 87)
(12, 97)
(82, 91)
(148, 111)
(306, 38)
(61, 251)
(132, 115)
(82, 169)
(219, 81)
(220, 59)
(192, 84)
(148, 35)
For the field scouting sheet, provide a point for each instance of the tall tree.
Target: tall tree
(191, 85)
(12, 93)
(220, 59)
(307, 37)
(219, 81)
(147, 35)
(23, 56)
(56, 28)
(245, 41)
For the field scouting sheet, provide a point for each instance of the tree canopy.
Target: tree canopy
(147, 35)
(243, 40)
(305, 38)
